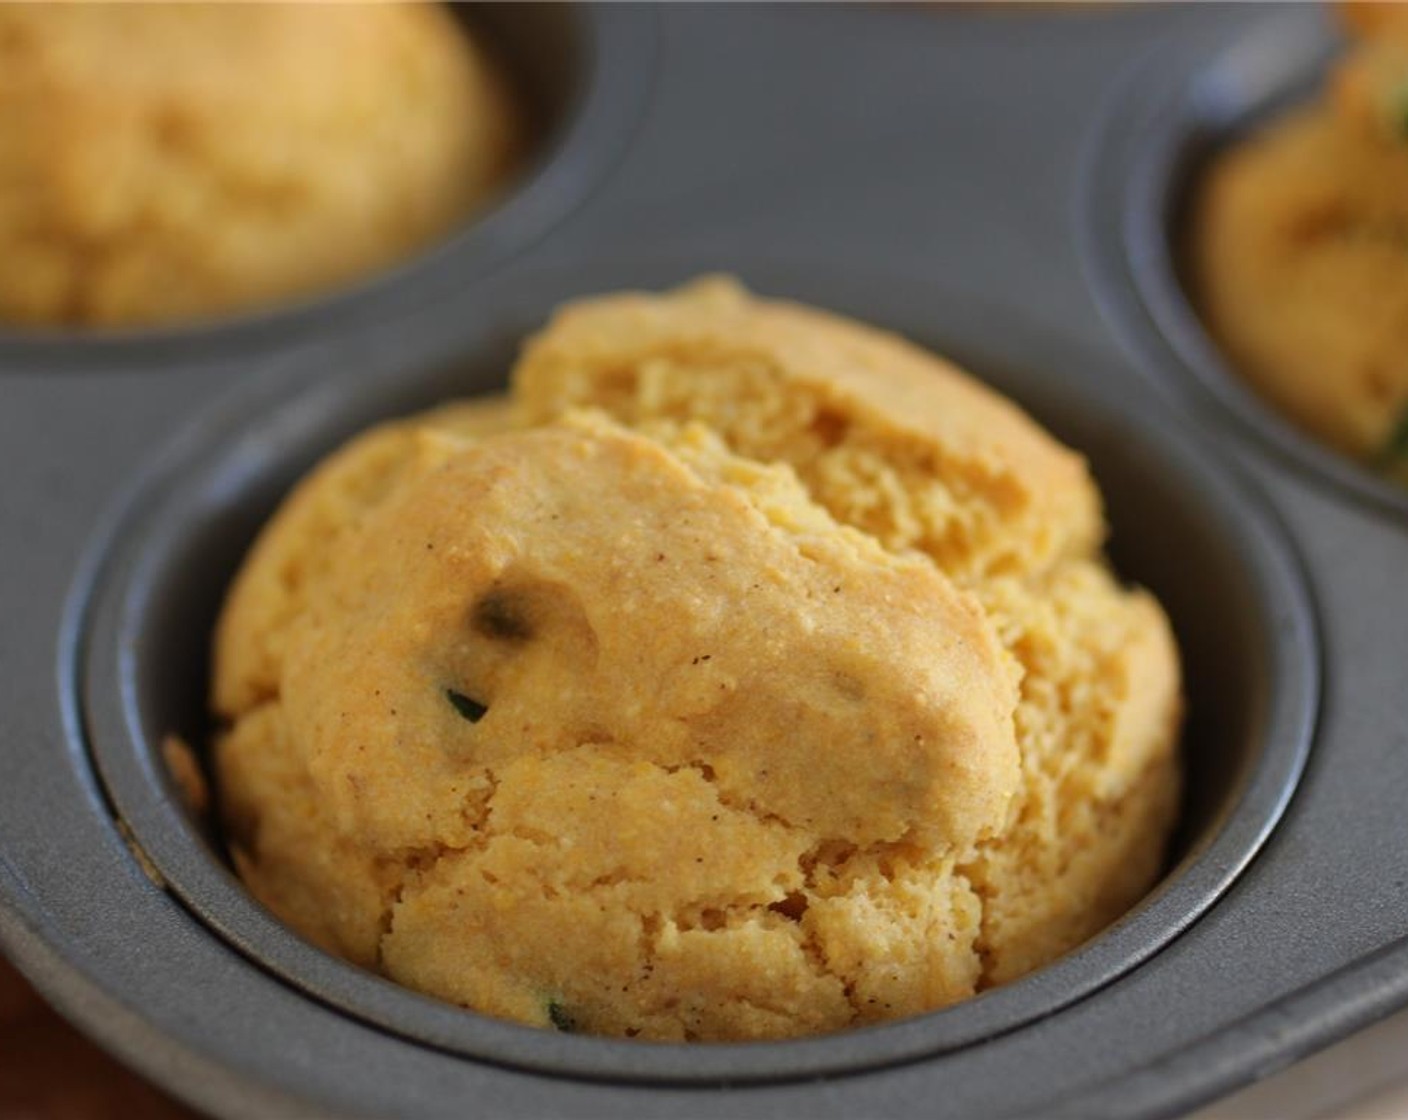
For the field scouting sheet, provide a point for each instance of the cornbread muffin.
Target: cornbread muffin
(1297, 252)
(593, 710)
(168, 162)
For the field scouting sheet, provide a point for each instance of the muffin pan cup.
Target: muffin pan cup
(139, 470)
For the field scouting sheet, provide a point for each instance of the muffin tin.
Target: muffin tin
(987, 221)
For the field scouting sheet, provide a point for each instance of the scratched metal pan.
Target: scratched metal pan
(946, 207)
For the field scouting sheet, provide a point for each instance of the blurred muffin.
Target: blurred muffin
(161, 163)
(888, 437)
(1298, 252)
(680, 719)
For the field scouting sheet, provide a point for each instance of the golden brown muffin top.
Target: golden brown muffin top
(963, 473)
(536, 592)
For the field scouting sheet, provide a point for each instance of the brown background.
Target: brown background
(48, 1071)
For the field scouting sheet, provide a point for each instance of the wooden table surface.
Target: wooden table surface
(48, 1071)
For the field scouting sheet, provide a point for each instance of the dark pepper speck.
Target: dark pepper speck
(502, 616)
(472, 710)
(1396, 446)
(559, 1017)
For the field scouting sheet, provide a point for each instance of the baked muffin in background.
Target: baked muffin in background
(1298, 254)
(165, 163)
(749, 674)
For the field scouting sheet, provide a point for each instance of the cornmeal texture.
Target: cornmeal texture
(612, 709)
(171, 162)
(1298, 252)
(888, 437)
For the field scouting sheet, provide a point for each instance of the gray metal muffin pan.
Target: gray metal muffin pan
(945, 173)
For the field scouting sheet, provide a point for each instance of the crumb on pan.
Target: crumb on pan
(186, 775)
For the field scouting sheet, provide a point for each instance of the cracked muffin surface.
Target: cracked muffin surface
(161, 163)
(605, 721)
